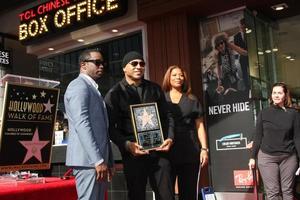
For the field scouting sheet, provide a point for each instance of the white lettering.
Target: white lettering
(221, 109)
(240, 107)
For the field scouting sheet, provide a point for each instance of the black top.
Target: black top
(277, 131)
(118, 101)
(186, 148)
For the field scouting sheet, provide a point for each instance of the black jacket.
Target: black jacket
(118, 101)
(277, 132)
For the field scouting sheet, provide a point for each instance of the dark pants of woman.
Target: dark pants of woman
(187, 180)
(278, 174)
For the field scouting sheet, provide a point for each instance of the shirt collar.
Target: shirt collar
(125, 83)
(92, 81)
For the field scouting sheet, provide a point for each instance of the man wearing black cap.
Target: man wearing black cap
(139, 164)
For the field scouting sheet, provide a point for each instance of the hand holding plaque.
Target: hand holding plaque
(147, 126)
(135, 149)
(165, 146)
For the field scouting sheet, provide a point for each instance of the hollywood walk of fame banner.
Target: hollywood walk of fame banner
(146, 125)
(27, 127)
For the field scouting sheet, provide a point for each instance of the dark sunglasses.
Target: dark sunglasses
(97, 62)
(135, 63)
(220, 44)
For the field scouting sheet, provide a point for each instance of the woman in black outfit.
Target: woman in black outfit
(190, 150)
(276, 145)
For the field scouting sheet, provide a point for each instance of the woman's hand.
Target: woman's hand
(203, 158)
(251, 163)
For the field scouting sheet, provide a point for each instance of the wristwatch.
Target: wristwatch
(204, 149)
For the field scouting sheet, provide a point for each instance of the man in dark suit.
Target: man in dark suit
(140, 164)
(89, 150)
(240, 40)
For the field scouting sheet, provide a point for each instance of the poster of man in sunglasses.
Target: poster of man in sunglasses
(223, 76)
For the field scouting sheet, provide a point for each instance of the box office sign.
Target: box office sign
(61, 16)
(27, 127)
(5, 57)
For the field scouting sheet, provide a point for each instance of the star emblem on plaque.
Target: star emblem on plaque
(146, 125)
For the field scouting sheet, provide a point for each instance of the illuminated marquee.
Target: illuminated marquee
(58, 16)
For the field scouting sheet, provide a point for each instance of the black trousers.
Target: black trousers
(187, 175)
(137, 170)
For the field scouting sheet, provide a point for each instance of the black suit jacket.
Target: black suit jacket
(118, 101)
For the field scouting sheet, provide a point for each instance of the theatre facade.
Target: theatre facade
(257, 45)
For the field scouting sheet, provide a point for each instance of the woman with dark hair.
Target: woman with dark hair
(277, 144)
(190, 150)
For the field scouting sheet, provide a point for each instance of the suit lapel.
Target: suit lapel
(101, 101)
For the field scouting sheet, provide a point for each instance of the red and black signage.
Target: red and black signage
(62, 16)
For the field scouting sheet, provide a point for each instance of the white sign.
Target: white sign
(4, 57)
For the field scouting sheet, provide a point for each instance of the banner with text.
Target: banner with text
(226, 85)
(27, 127)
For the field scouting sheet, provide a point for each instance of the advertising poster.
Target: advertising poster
(27, 127)
(226, 85)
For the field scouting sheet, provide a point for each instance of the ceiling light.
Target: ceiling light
(268, 51)
(292, 57)
(260, 53)
(80, 40)
(115, 30)
(279, 7)
(248, 30)
(275, 49)
(288, 57)
(51, 49)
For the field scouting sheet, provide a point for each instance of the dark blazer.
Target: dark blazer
(118, 101)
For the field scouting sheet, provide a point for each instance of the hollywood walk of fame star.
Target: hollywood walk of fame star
(43, 94)
(34, 147)
(48, 106)
(146, 118)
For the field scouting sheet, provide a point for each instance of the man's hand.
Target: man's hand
(251, 163)
(135, 149)
(102, 172)
(111, 173)
(165, 146)
(220, 89)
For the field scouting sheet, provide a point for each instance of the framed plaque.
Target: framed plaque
(146, 125)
